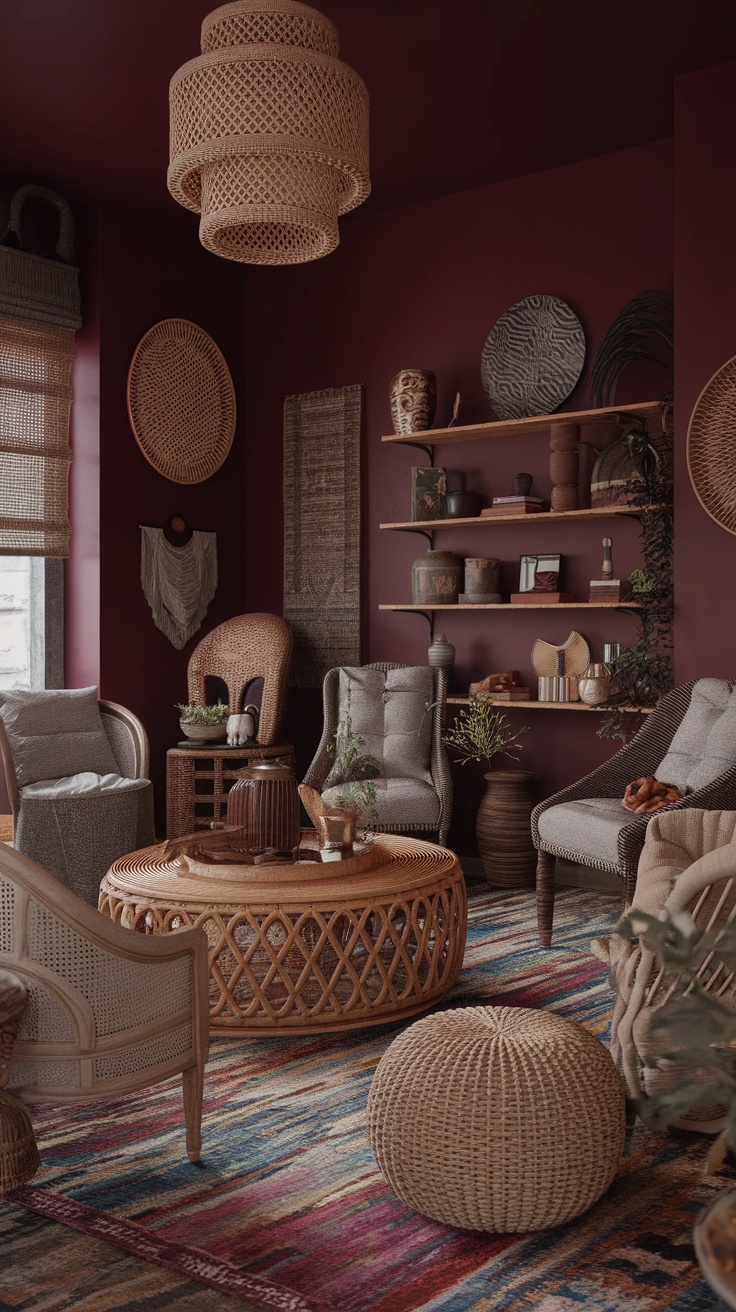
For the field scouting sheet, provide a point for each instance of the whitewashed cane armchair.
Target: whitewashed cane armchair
(108, 1010)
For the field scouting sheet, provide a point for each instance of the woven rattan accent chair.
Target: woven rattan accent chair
(686, 741)
(243, 649)
(400, 712)
(688, 863)
(75, 809)
(109, 1010)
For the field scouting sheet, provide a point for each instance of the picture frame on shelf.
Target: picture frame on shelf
(540, 573)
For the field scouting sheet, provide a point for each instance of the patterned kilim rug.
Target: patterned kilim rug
(288, 1210)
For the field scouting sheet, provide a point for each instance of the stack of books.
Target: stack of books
(605, 590)
(514, 506)
(510, 695)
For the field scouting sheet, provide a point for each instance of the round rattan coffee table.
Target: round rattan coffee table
(308, 948)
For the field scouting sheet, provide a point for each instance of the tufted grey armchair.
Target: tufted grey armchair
(400, 712)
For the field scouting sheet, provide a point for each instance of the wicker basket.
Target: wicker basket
(497, 1118)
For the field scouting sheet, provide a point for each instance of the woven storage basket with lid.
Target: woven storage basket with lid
(181, 401)
(497, 1118)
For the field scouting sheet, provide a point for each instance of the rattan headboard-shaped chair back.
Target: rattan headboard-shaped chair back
(245, 648)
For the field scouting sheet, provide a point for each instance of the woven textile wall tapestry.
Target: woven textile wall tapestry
(322, 530)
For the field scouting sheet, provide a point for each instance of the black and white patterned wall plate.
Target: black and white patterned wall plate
(533, 357)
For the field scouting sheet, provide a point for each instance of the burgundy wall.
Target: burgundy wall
(146, 272)
(705, 273)
(422, 286)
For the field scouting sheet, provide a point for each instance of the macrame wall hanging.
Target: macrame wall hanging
(178, 582)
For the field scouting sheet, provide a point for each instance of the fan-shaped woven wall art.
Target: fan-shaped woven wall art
(577, 655)
(181, 401)
(533, 357)
(710, 446)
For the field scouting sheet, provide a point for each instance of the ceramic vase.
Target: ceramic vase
(413, 400)
(436, 579)
(204, 733)
(594, 685)
(503, 829)
(441, 653)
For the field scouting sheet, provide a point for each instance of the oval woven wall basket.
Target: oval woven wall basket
(181, 401)
(710, 446)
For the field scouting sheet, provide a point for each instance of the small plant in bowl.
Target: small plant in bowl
(642, 582)
(203, 724)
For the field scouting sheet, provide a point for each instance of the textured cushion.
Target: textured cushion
(589, 827)
(685, 763)
(720, 749)
(389, 709)
(55, 734)
(404, 802)
(84, 784)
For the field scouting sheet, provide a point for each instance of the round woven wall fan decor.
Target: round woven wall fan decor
(181, 401)
(710, 446)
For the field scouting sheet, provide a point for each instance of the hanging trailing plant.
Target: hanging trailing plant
(643, 672)
(644, 324)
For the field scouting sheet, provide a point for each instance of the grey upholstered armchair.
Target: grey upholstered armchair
(689, 740)
(399, 710)
(75, 772)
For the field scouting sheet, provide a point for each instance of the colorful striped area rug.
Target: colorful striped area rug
(288, 1209)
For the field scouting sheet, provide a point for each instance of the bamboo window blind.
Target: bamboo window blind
(35, 398)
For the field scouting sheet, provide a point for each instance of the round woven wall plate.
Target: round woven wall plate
(181, 401)
(710, 446)
(533, 357)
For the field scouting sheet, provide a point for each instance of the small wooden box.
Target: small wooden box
(539, 598)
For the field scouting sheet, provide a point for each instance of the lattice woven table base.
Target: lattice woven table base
(319, 956)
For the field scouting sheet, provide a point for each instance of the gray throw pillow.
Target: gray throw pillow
(708, 701)
(390, 711)
(56, 733)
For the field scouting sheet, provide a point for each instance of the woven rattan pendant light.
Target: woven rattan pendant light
(269, 133)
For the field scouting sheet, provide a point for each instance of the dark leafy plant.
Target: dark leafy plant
(694, 1029)
(644, 323)
(643, 672)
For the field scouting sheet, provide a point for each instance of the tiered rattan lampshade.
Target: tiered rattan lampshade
(269, 133)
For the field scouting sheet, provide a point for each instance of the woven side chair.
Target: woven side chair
(247, 647)
(688, 863)
(78, 836)
(404, 805)
(596, 830)
(109, 1011)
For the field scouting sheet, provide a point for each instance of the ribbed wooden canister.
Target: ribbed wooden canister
(503, 829)
(265, 801)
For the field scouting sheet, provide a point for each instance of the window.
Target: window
(31, 623)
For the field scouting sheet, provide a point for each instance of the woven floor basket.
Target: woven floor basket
(500, 1119)
(710, 447)
(181, 401)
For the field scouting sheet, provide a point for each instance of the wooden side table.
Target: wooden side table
(198, 780)
(19, 1158)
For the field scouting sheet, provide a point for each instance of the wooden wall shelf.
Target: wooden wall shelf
(645, 410)
(543, 517)
(552, 706)
(507, 605)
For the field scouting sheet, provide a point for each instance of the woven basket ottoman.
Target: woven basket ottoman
(499, 1119)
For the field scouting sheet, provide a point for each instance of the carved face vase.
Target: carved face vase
(413, 400)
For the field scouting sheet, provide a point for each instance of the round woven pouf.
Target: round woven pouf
(497, 1118)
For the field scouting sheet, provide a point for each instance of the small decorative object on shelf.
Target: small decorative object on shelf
(241, 728)
(436, 579)
(481, 582)
(521, 484)
(539, 579)
(440, 653)
(632, 338)
(564, 445)
(533, 357)
(594, 685)
(413, 400)
(461, 504)
(545, 656)
(204, 724)
(428, 492)
(606, 588)
(500, 687)
(621, 472)
(558, 688)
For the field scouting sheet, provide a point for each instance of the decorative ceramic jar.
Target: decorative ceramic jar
(436, 579)
(594, 685)
(413, 400)
(481, 581)
(204, 733)
(460, 504)
(265, 801)
(441, 653)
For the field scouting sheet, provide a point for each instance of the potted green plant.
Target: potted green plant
(353, 772)
(203, 724)
(480, 733)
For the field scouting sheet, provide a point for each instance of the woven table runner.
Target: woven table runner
(322, 530)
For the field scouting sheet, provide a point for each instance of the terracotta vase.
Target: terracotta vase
(436, 579)
(413, 400)
(503, 829)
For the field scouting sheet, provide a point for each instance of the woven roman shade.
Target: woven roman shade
(35, 398)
